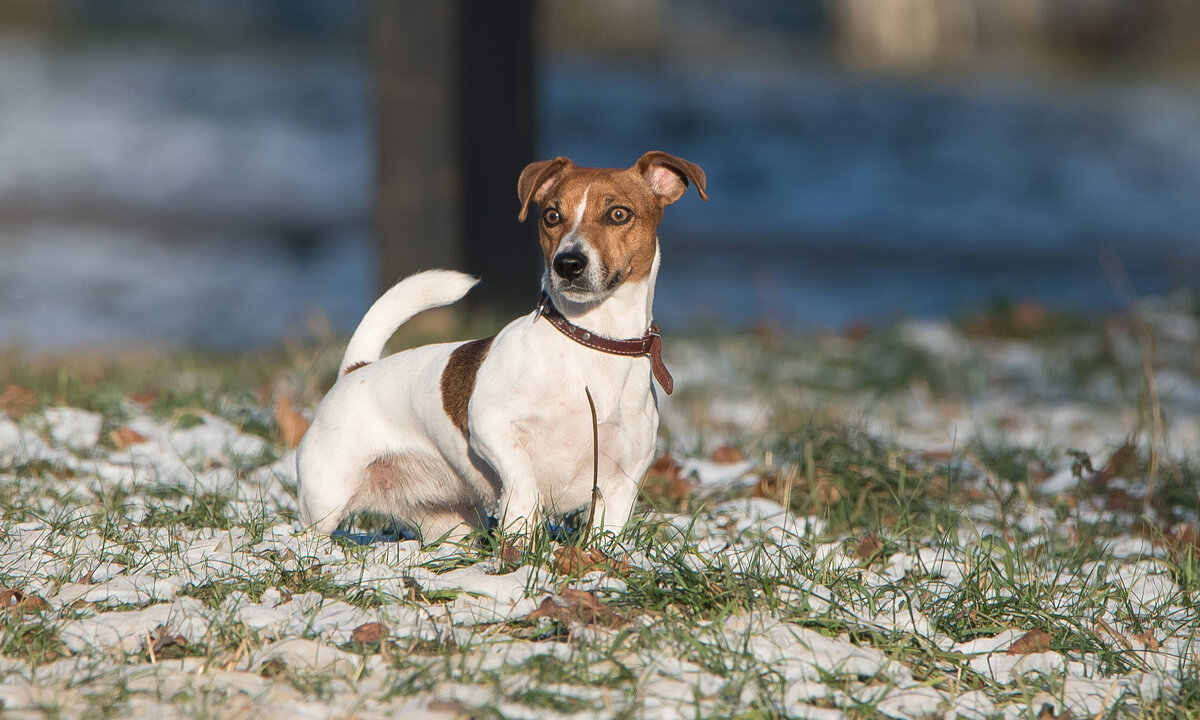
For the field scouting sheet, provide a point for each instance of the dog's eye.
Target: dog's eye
(619, 215)
(551, 217)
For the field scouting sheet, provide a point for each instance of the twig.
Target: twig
(1124, 288)
(587, 532)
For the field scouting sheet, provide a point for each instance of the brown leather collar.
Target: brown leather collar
(648, 344)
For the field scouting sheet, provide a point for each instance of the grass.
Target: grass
(909, 540)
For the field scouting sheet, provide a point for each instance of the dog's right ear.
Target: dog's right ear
(536, 180)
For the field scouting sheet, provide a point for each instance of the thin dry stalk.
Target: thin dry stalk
(587, 531)
(1145, 338)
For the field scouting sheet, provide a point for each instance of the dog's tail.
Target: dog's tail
(413, 294)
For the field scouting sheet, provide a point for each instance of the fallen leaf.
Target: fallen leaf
(17, 400)
(369, 633)
(664, 481)
(1033, 641)
(1106, 630)
(17, 602)
(448, 706)
(576, 607)
(167, 644)
(510, 552)
(1148, 640)
(1047, 713)
(123, 437)
(575, 561)
(867, 547)
(292, 425)
(1185, 540)
(1119, 500)
(1120, 463)
(146, 397)
(726, 455)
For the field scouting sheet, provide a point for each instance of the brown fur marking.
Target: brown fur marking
(355, 366)
(458, 379)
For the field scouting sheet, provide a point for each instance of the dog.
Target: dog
(441, 435)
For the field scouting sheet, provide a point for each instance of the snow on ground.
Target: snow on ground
(160, 573)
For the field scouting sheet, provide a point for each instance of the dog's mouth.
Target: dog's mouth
(586, 289)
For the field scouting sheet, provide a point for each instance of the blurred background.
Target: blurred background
(229, 173)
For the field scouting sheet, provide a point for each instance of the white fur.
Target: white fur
(413, 294)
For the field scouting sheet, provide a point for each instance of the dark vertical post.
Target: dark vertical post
(498, 123)
(455, 126)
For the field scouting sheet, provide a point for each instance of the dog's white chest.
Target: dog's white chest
(533, 391)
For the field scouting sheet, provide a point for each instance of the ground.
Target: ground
(995, 517)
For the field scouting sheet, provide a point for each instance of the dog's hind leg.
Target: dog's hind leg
(450, 524)
(323, 494)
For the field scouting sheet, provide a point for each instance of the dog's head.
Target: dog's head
(599, 227)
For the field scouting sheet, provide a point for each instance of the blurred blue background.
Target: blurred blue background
(202, 174)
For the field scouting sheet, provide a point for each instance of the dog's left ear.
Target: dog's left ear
(536, 180)
(668, 176)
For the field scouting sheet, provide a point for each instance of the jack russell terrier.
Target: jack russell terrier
(439, 436)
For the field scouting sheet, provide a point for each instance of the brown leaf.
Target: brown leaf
(448, 706)
(1148, 640)
(164, 640)
(123, 437)
(1106, 630)
(1120, 463)
(292, 425)
(19, 603)
(664, 481)
(17, 400)
(867, 547)
(1034, 641)
(146, 397)
(511, 552)
(1047, 713)
(727, 455)
(576, 607)
(1185, 540)
(573, 561)
(369, 633)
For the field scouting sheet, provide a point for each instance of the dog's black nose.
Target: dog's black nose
(570, 265)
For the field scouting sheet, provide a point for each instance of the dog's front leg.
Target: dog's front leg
(615, 504)
(502, 449)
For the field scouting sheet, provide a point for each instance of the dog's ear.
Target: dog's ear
(668, 176)
(536, 180)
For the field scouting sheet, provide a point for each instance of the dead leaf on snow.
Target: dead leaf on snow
(573, 561)
(123, 437)
(165, 644)
(576, 607)
(369, 633)
(1034, 641)
(448, 706)
(292, 425)
(17, 400)
(1047, 713)
(727, 455)
(17, 602)
(1148, 640)
(867, 547)
(146, 397)
(665, 481)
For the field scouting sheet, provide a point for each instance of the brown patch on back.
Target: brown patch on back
(458, 379)
(355, 366)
